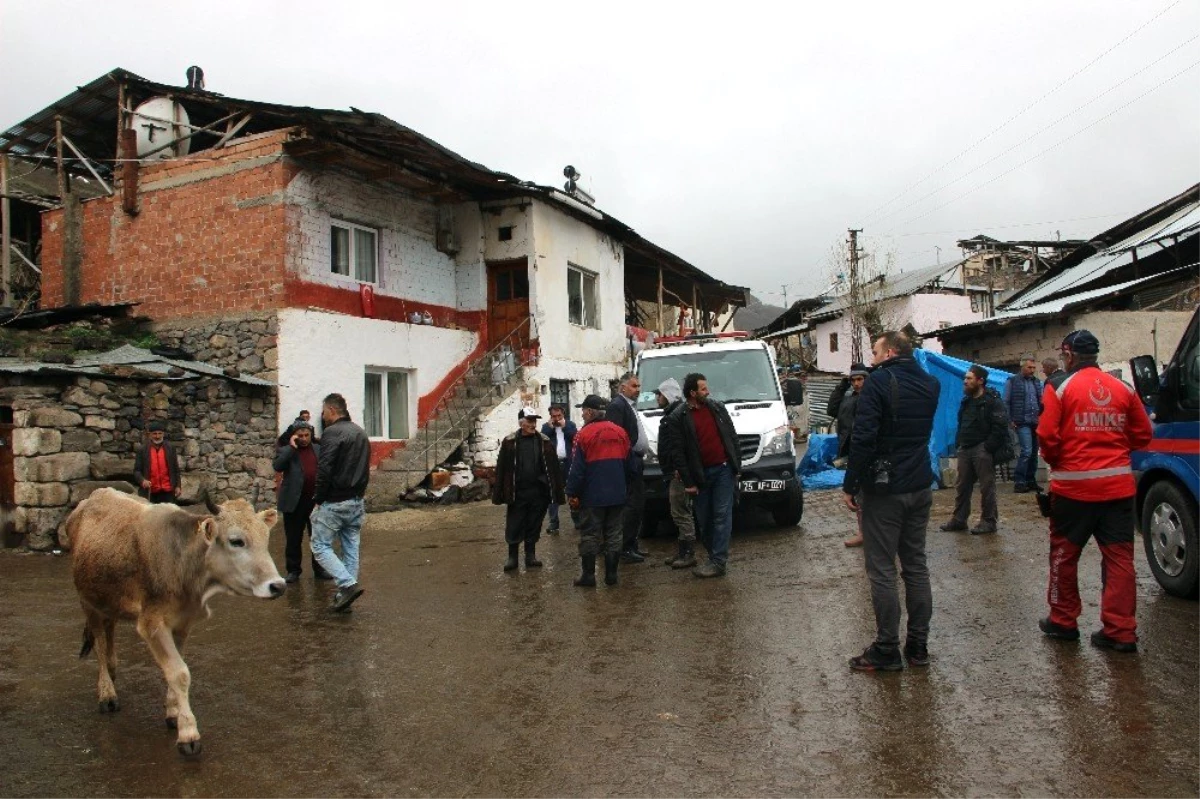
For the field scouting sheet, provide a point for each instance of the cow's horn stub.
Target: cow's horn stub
(212, 506)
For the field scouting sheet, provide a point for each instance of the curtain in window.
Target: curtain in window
(373, 405)
(575, 296)
(397, 396)
(364, 256)
(339, 250)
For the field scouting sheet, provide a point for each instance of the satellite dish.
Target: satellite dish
(160, 121)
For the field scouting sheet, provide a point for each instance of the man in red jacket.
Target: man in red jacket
(1090, 424)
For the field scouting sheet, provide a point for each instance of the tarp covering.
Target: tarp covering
(816, 467)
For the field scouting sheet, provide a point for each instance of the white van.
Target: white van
(741, 374)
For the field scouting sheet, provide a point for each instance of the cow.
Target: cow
(158, 566)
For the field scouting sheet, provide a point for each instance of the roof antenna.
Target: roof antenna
(195, 78)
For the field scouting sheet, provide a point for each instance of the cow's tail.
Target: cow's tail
(89, 641)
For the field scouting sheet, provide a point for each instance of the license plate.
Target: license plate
(753, 486)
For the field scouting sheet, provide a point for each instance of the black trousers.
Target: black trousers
(631, 518)
(294, 525)
(523, 519)
(159, 497)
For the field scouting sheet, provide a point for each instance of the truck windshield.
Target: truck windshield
(733, 375)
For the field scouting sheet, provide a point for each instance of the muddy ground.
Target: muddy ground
(452, 678)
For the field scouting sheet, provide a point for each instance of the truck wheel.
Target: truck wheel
(1169, 530)
(788, 512)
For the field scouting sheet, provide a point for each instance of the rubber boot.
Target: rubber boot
(587, 577)
(531, 561)
(686, 558)
(611, 559)
(511, 563)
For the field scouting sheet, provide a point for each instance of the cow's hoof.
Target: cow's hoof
(109, 705)
(189, 748)
(172, 723)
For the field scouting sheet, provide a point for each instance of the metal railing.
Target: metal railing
(455, 406)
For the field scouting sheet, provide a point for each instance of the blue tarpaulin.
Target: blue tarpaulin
(816, 467)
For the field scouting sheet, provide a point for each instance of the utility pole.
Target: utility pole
(785, 305)
(939, 254)
(856, 348)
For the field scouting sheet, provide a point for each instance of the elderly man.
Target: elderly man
(528, 479)
(679, 495)
(599, 471)
(1091, 423)
(1023, 398)
(622, 411)
(156, 466)
(1051, 369)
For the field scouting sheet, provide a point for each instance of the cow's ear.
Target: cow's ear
(208, 528)
(269, 517)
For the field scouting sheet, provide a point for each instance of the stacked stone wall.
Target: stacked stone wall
(80, 434)
(246, 342)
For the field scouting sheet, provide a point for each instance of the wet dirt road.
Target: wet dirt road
(452, 678)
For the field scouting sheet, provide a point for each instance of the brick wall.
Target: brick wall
(210, 237)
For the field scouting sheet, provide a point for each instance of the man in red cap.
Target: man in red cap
(1090, 424)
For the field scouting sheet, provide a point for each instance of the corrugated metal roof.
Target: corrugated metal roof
(142, 360)
(1182, 224)
(898, 285)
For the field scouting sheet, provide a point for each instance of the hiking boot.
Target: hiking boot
(631, 556)
(709, 569)
(982, 529)
(587, 575)
(1099, 639)
(511, 563)
(916, 654)
(531, 561)
(611, 559)
(686, 558)
(854, 541)
(343, 598)
(292, 577)
(1052, 630)
(874, 658)
(953, 526)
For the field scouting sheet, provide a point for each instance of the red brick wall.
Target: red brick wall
(210, 237)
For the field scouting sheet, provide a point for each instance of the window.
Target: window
(505, 233)
(582, 307)
(512, 284)
(833, 342)
(352, 251)
(974, 303)
(385, 404)
(560, 394)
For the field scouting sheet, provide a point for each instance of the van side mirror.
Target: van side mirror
(793, 392)
(1145, 379)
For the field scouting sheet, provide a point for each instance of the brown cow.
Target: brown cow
(159, 565)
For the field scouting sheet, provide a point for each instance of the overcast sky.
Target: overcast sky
(744, 137)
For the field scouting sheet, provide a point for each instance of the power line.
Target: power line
(1040, 131)
(1023, 111)
(968, 228)
(1056, 144)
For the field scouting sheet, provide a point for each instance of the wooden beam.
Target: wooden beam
(88, 164)
(5, 234)
(231, 131)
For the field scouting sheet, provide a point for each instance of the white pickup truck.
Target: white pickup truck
(741, 374)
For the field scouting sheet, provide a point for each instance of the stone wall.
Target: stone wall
(79, 434)
(247, 342)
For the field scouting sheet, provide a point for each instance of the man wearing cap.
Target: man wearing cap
(596, 487)
(1023, 396)
(1090, 424)
(156, 466)
(622, 411)
(528, 479)
(679, 496)
(561, 431)
(982, 433)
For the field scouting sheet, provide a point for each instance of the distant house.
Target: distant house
(1133, 285)
(328, 250)
(923, 299)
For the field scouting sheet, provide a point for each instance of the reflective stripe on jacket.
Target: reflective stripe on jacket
(1090, 424)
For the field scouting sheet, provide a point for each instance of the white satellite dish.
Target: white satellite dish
(160, 121)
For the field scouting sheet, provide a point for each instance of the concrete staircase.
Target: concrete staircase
(470, 399)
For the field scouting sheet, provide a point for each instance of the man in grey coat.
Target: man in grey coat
(297, 461)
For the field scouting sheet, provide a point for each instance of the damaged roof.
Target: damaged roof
(89, 120)
(129, 362)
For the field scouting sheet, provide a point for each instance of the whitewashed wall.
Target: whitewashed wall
(321, 353)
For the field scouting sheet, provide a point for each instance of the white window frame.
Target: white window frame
(352, 262)
(384, 419)
(591, 321)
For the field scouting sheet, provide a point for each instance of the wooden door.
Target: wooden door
(508, 300)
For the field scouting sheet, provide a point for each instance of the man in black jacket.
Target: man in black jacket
(843, 401)
(622, 411)
(889, 464)
(708, 461)
(982, 432)
(528, 479)
(343, 470)
(296, 462)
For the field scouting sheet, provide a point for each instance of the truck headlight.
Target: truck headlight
(779, 442)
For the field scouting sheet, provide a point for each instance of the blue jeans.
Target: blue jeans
(343, 521)
(1025, 472)
(714, 512)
